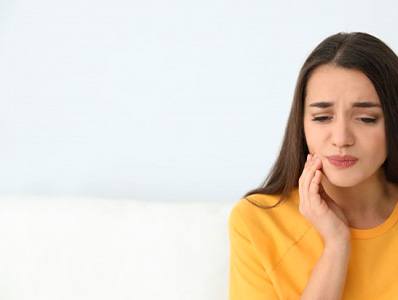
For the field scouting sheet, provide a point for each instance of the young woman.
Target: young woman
(324, 225)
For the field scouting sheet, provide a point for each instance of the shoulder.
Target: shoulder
(283, 221)
(254, 207)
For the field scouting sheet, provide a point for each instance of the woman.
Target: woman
(324, 223)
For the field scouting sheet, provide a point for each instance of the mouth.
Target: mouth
(342, 163)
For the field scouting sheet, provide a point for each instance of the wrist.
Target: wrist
(338, 247)
(341, 242)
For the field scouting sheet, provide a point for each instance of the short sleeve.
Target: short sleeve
(247, 276)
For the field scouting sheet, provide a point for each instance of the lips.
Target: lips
(342, 158)
(342, 161)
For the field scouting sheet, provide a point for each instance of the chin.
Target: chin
(342, 181)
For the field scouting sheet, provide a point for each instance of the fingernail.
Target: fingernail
(308, 157)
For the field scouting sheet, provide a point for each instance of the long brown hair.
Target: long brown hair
(355, 50)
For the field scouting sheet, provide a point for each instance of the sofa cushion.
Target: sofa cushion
(95, 248)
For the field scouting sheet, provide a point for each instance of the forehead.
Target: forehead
(339, 85)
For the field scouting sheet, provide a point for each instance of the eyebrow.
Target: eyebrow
(325, 104)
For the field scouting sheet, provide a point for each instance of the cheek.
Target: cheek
(378, 146)
(313, 138)
(380, 137)
(378, 143)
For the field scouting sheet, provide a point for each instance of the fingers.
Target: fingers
(310, 174)
(303, 202)
(314, 183)
(302, 198)
(309, 181)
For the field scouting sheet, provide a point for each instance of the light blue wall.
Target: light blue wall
(165, 100)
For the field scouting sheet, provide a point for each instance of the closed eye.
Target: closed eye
(324, 118)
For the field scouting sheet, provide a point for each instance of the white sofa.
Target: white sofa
(55, 248)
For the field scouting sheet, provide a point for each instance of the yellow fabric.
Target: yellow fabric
(273, 252)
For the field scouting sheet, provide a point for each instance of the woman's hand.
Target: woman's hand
(316, 206)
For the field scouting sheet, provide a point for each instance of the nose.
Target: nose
(341, 134)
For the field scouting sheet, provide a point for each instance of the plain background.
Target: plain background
(157, 100)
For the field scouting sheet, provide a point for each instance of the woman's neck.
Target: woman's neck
(366, 204)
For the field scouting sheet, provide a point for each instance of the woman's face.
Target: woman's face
(338, 128)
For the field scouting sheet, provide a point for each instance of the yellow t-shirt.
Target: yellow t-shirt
(273, 252)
